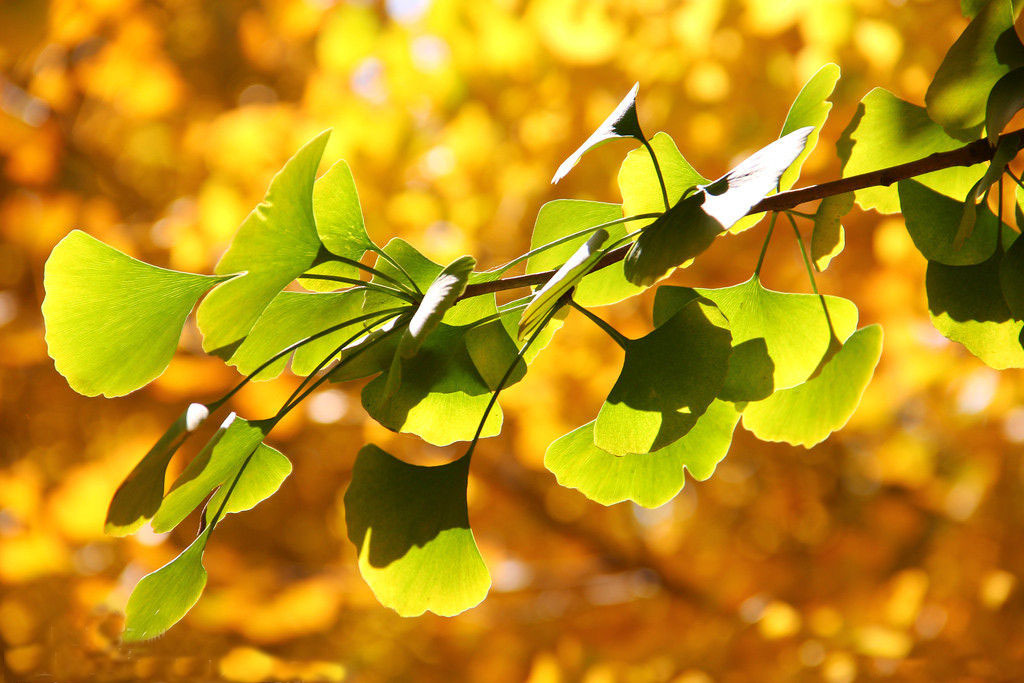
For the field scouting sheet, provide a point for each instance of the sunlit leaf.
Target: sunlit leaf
(887, 131)
(338, 216)
(1005, 100)
(986, 51)
(828, 238)
(793, 326)
(933, 221)
(966, 305)
(648, 479)
(668, 379)
(290, 318)
(638, 181)
(1011, 278)
(410, 525)
(492, 348)
(138, 497)
(564, 279)
(216, 463)
(113, 322)
(621, 123)
(276, 243)
(563, 217)
(806, 414)
(263, 475)
(439, 297)
(691, 225)
(160, 599)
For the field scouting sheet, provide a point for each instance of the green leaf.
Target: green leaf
(439, 297)
(691, 225)
(563, 217)
(1011, 278)
(113, 322)
(338, 216)
(638, 181)
(565, 278)
(261, 477)
(806, 414)
(970, 8)
(290, 318)
(410, 526)
(828, 238)
(810, 108)
(966, 304)
(139, 495)
(1005, 100)
(216, 463)
(276, 243)
(647, 479)
(668, 379)
(887, 131)
(933, 221)
(621, 123)
(793, 326)
(160, 599)
(438, 395)
(492, 348)
(986, 51)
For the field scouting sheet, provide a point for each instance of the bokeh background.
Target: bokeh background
(891, 551)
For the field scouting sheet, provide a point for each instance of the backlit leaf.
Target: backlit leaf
(638, 181)
(1005, 100)
(263, 475)
(828, 238)
(338, 216)
(933, 221)
(806, 414)
(439, 297)
(410, 526)
(113, 322)
(648, 479)
(621, 123)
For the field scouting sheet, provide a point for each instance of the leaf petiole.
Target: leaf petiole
(616, 336)
(657, 169)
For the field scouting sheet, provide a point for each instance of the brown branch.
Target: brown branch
(968, 155)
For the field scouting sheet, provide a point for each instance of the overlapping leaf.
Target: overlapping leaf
(113, 322)
(934, 221)
(257, 479)
(446, 288)
(638, 181)
(648, 479)
(887, 131)
(276, 243)
(829, 238)
(668, 379)
(410, 526)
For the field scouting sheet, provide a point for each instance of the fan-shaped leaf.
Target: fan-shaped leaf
(439, 297)
(276, 243)
(564, 279)
(986, 51)
(337, 214)
(828, 238)
(410, 525)
(621, 123)
(934, 220)
(113, 322)
(139, 495)
(1005, 100)
(668, 379)
(648, 479)
(638, 181)
(261, 477)
(806, 414)
(216, 463)
(887, 131)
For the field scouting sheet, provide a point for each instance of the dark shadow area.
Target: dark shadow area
(967, 292)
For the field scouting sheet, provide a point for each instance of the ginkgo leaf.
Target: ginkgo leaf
(647, 479)
(338, 215)
(446, 288)
(1011, 277)
(564, 279)
(160, 599)
(138, 497)
(986, 51)
(410, 526)
(1005, 100)
(216, 463)
(810, 108)
(621, 123)
(638, 181)
(887, 131)
(966, 305)
(668, 379)
(691, 225)
(563, 217)
(112, 321)
(934, 222)
(806, 414)
(828, 237)
(290, 318)
(793, 326)
(276, 243)
(257, 479)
